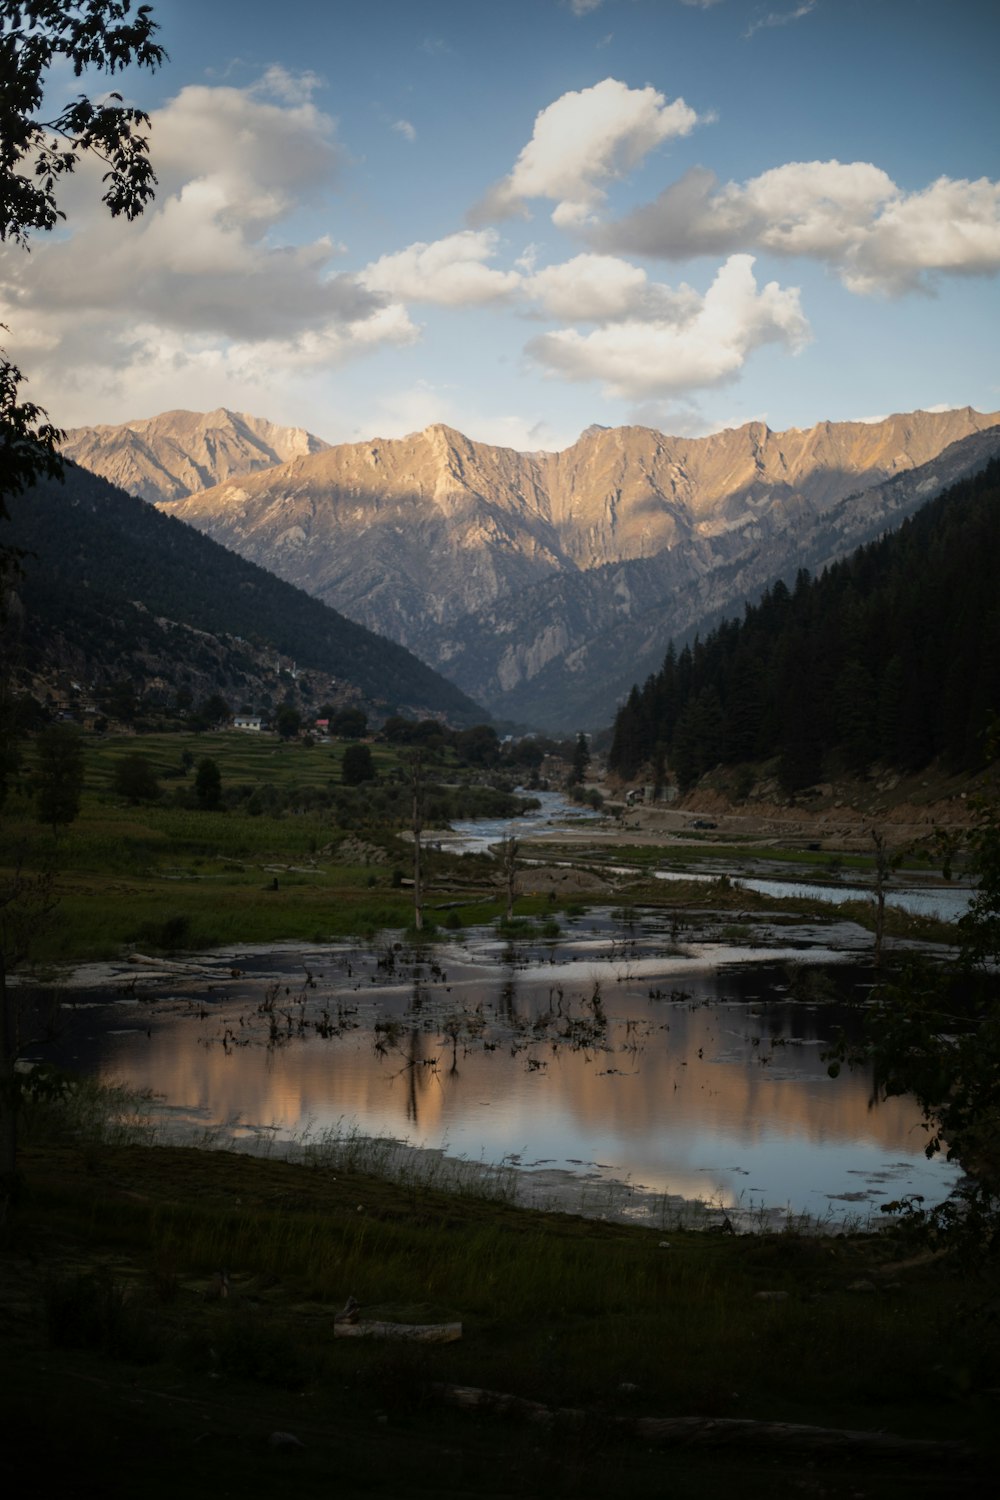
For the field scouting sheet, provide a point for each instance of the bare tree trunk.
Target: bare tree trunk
(417, 784)
(713, 1432)
(410, 1333)
(508, 864)
(418, 895)
(882, 869)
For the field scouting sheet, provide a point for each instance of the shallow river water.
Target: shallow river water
(558, 819)
(625, 1067)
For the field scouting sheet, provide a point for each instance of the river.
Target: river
(625, 1065)
(556, 819)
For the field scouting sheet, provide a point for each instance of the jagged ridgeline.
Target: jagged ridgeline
(890, 656)
(112, 587)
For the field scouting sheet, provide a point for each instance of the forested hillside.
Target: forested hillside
(891, 656)
(112, 577)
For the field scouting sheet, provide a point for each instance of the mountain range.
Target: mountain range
(178, 452)
(545, 584)
(111, 590)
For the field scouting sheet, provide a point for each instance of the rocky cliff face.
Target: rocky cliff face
(169, 456)
(621, 617)
(544, 584)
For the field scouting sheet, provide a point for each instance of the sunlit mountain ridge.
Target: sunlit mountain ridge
(544, 584)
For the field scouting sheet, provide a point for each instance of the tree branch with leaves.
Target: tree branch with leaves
(38, 149)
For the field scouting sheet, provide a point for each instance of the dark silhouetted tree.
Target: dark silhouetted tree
(287, 720)
(478, 746)
(358, 766)
(208, 784)
(135, 779)
(27, 904)
(348, 723)
(59, 775)
(213, 711)
(581, 760)
(37, 151)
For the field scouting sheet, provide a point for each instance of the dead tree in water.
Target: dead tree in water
(884, 866)
(509, 849)
(414, 770)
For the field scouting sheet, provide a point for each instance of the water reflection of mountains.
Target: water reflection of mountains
(685, 1063)
(752, 1092)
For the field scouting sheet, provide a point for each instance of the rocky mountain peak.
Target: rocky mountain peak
(507, 570)
(176, 453)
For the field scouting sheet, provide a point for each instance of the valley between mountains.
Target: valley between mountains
(543, 584)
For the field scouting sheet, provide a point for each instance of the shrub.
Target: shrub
(208, 784)
(135, 779)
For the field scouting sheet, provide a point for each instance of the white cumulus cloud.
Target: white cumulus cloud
(850, 215)
(206, 266)
(603, 289)
(705, 342)
(451, 272)
(951, 227)
(581, 143)
(815, 208)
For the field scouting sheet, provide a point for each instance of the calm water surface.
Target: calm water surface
(615, 1053)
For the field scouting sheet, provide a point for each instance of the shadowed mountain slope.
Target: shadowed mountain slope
(892, 655)
(117, 588)
(540, 581)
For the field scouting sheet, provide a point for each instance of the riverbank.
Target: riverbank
(831, 830)
(171, 1314)
(838, 816)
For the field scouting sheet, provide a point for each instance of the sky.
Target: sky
(522, 217)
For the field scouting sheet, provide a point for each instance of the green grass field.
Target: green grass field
(118, 1357)
(166, 875)
(268, 865)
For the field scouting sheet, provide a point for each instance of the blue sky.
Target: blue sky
(521, 217)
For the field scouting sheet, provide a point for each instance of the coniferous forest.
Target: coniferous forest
(891, 656)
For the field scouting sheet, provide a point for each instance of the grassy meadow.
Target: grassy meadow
(278, 860)
(120, 1349)
(266, 866)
